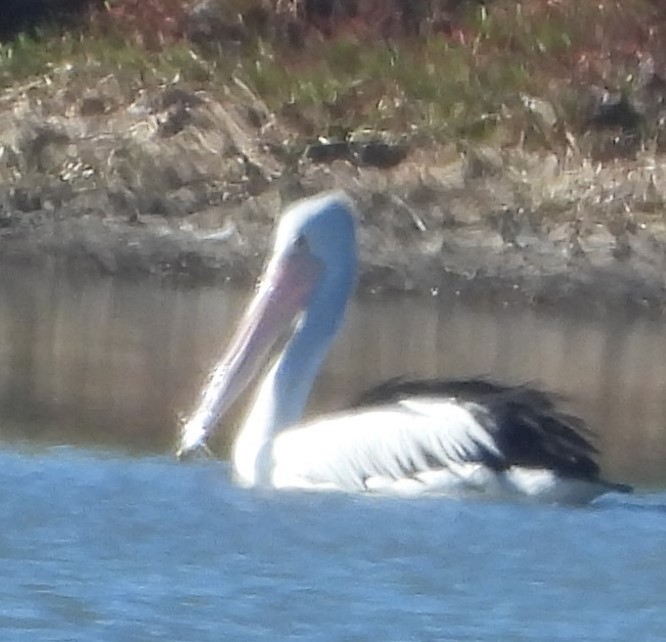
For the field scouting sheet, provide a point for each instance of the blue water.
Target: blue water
(100, 547)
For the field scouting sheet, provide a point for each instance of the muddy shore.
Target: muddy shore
(183, 185)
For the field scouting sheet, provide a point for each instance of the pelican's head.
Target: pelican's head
(325, 225)
(308, 279)
(315, 251)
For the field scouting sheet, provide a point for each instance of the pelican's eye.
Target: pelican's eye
(301, 242)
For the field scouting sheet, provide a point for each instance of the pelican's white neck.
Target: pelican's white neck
(283, 394)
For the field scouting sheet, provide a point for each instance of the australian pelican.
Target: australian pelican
(471, 438)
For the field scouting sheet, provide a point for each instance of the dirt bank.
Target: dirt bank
(185, 185)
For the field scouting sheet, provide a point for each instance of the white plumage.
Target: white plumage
(379, 446)
(463, 438)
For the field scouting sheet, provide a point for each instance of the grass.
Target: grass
(93, 57)
(468, 81)
(431, 86)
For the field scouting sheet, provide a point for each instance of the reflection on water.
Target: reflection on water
(114, 362)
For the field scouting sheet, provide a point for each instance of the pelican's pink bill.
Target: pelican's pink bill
(281, 297)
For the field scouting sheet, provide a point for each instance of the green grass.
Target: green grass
(430, 86)
(442, 86)
(96, 56)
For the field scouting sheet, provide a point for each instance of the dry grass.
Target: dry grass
(512, 77)
(508, 73)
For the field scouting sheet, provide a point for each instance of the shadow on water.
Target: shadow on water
(649, 504)
(113, 363)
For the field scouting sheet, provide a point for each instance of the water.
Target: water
(105, 362)
(118, 548)
(108, 538)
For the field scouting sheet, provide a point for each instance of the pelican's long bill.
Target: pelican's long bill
(282, 296)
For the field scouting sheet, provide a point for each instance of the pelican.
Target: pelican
(465, 438)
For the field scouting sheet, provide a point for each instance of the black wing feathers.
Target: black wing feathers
(528, 428)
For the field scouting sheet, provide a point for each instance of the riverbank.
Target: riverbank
(179, 172)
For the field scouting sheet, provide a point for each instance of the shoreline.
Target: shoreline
(114, 192)
(472, 265)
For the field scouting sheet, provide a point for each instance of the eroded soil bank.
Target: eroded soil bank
(181, 184)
